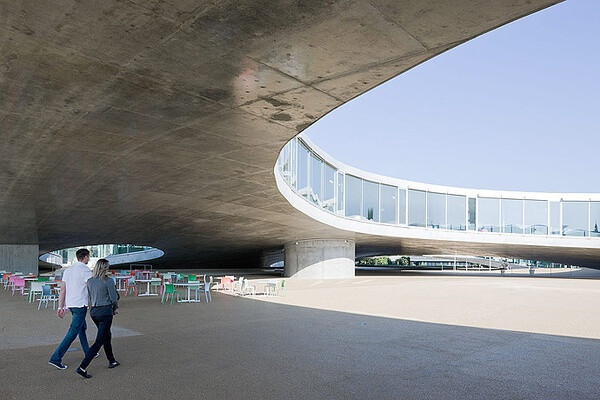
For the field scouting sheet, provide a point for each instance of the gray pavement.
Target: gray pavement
(245, 348)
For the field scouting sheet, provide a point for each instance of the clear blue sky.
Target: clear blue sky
(517, 109)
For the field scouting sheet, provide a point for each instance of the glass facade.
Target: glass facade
(402, 206)
(328, 187)
(595, 218)
(351, 196)
(370, 209)
(457, 212)
(389, 204)
(512, 216)
(99, 251)
(416, 208)
(555, 228)
(575, 218)
(436, 210)
(536, 217)
(488, 215)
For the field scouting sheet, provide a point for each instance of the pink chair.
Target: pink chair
(19, 284)
(11, 282)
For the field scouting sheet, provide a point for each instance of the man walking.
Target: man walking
(74, 296)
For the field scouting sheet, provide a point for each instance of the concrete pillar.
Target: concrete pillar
(319, 259)
(19, 257)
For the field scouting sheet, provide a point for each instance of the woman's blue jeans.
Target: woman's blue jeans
(77, 328)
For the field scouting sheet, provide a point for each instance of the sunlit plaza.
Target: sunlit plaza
(436, 335)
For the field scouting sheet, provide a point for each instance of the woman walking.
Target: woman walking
(104, 304)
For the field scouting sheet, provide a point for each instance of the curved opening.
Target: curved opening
(501, 111)
(116, 254)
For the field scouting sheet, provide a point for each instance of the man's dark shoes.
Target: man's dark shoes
(57, 364)
(113, 364)
(83, 372)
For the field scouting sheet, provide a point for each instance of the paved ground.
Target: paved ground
(250, 348)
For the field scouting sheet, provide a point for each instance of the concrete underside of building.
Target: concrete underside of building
(159, 123)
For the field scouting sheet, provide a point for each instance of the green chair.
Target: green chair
(191, 278)
(281, 288)
(169, 290)
(43, 278)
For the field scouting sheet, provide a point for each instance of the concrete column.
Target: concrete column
(19, 257)
(319, 259)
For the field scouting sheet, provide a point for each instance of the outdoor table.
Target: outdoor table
(54, 285)
(146, 274)
(121, 281)
(147, 281)
(189, 286)
(270, 287)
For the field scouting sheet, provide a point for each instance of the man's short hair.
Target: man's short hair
(81, 254)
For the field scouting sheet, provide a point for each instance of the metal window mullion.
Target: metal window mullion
(446, 219)
(477, 213)
(548, 231)
(379, 201)
(523, 216)
(560, 219)
(397, 205)
(589, 218)
(426, 205)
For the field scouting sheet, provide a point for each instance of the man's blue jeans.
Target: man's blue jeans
(78, 327)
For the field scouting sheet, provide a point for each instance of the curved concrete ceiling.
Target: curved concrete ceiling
(159, 122)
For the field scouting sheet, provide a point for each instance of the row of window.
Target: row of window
(323, 185)
(99, 251)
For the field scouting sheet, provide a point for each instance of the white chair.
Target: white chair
(47, 296)
(36, 288)
(205, 290)
(245, 288)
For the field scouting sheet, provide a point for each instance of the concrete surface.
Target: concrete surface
(318, 259)
(159, 122)
(244, 348)
(19, 257)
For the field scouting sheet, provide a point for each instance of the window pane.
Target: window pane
(316, 180)
(329, 187)
(457, 218)
(389, 204)
(416, 208)
(489, 213)
(575, 218)
(436, 210)
(512, 216)
(472, 213)
(340, 192)
(285, 163)
(595, 218)
(303, 170)
(353, 196)
(554, 218)
(536, 217)
(371, 200)
(402, 210)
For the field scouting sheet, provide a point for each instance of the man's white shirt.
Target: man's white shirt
(75, 277)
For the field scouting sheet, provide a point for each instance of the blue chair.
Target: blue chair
(47, 296)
